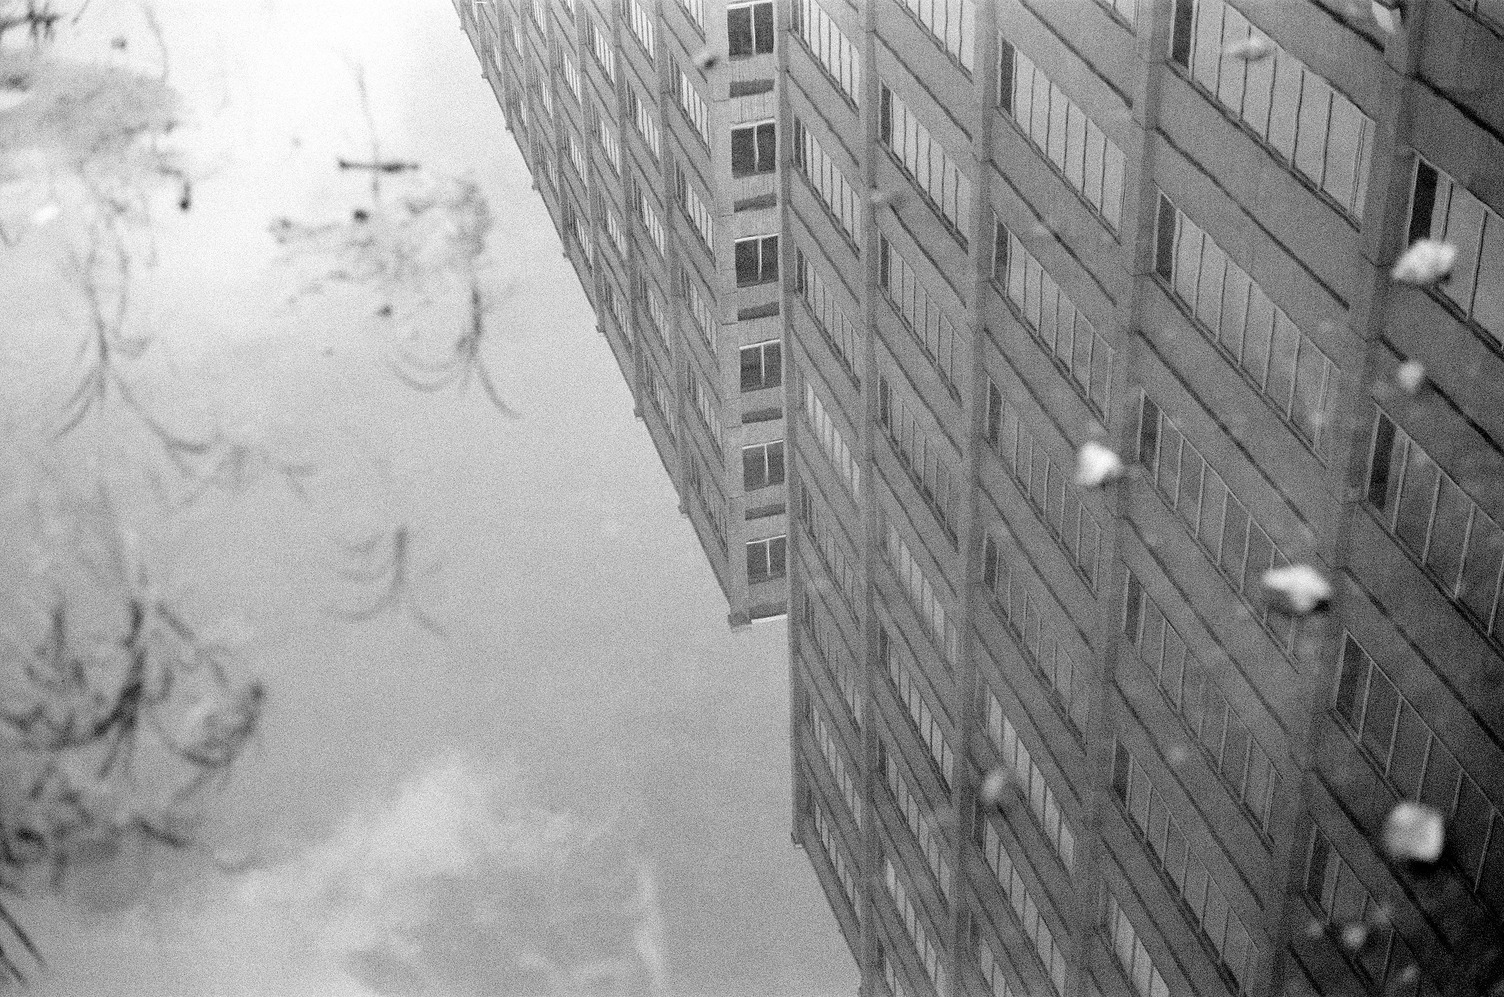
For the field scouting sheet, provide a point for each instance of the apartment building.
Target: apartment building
(1014, 227)
(660, 173)
(963, 238)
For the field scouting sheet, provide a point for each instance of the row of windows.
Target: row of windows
(952, 23)
(705, 404)
(1043, 481)
(944, 345)
(762, 465)
(1025, 907)
(641, 21)
(613, 308)
(656, 390)
(901, 668)
(1045, 644)
(696, 111)
(647, 293)
(916, 815)
(1318, 130)
(832, 442)
(1043, 803)
(833, 656)
(1232, 311)
(831, 551)
(699, 307)
(1238, 546)
(608, 142)
(922, 593)
(1190, 689)
(930, 953)
(1417, 766)
(575, 151)
(599, 44)
(926, 162)
(1460, 545)
(929, 461)
(1384, 958)
(1440, 208)
(991, 965)
(896, 985)
(836, 856)
(571, 72)
(828, 182)
(696, 11)
(1053, 319)
(754, 148)
(1128, 946)
(839, 331)
(647, 213)
(767, 559)
(762, 365)
(694, 208)
(710, 500)
(1171, 849)
(836, 760)
(612, 224)
(646, 124)
(832, 49)
(1091, 162)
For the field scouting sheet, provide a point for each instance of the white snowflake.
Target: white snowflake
(1096, 465)
(1425, 262)
(1250, 49)
(1415, 832)
(1410, 375)
(1301, 588)
(994, 786)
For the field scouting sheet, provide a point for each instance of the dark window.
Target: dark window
(1148, 435)
(762, 365)
(765, 559)
(749, 29)
(999, 252)
(1180, 37)
(1383, 453)
(762, 465)
(1134, 607)
(1164, 247)
(754, 149)
(1422, 201)
(756, 260)
(994, 413)
(1005, 77)
(884, 402)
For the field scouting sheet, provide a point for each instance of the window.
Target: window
(571, 73)
(945, 346)
(1202, 895)
(749, 28)
(830, 47)
(705, 404)
(1080, 151)
(831, 441)
(951, 23)
(599, 43)
(642, 118)
(696, 11)
(838, 563)
(1317, 130)
(927, 163)
(756, 260)
(765, 559)
(648, 215)
(762, 365)
(930, 954)
(643, 27)
(1043, 802)
(1131, 954)
(1386, 959)
(831, 319)
(694, 207)
(699, 307)
(917, 815)
(1380, 719)
(1291, 372)
(835, 854)
(1042, 480)
(828, 183)
(902, 669)
(609, 143)
(1040, 628)
(933, 465)
(762, 465)
(1052, 318)
(835, 756)
(1237, 545)
(1192, 692)
(1460, 546)
(696, 111)
(1440, 208)
(1024, 904)
(754, 149)
(924, 596)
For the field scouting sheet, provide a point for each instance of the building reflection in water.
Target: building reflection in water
(1051, 738)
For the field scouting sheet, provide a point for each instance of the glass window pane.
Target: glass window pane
(1465, 231)
(1448, 531)
(1209, 292)
(1379, 718)
(1234, 309)
(1259, 330)
(1213, 500)
(1187, 261)
(1208, 54)
(1409, 757)
(1282, 352)
(1284, 102)
(1480, 570)
(1488, 302)
(1260, 552)
(1343, 148)
(1256, 90)
(1188, 500)
(1417, 494)
(1230, 87)
(1234, 540)
(1310, 141)
(1308, 408)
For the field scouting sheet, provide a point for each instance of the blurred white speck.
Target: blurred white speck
(705, 59)
(46, 213)
(1426, 262)
(1354, 935)
(1410, 375)
(1299, 587)
(1250, 49)
(1096, 465)
(1414, 831)
(994, 786)
(1177, 756)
